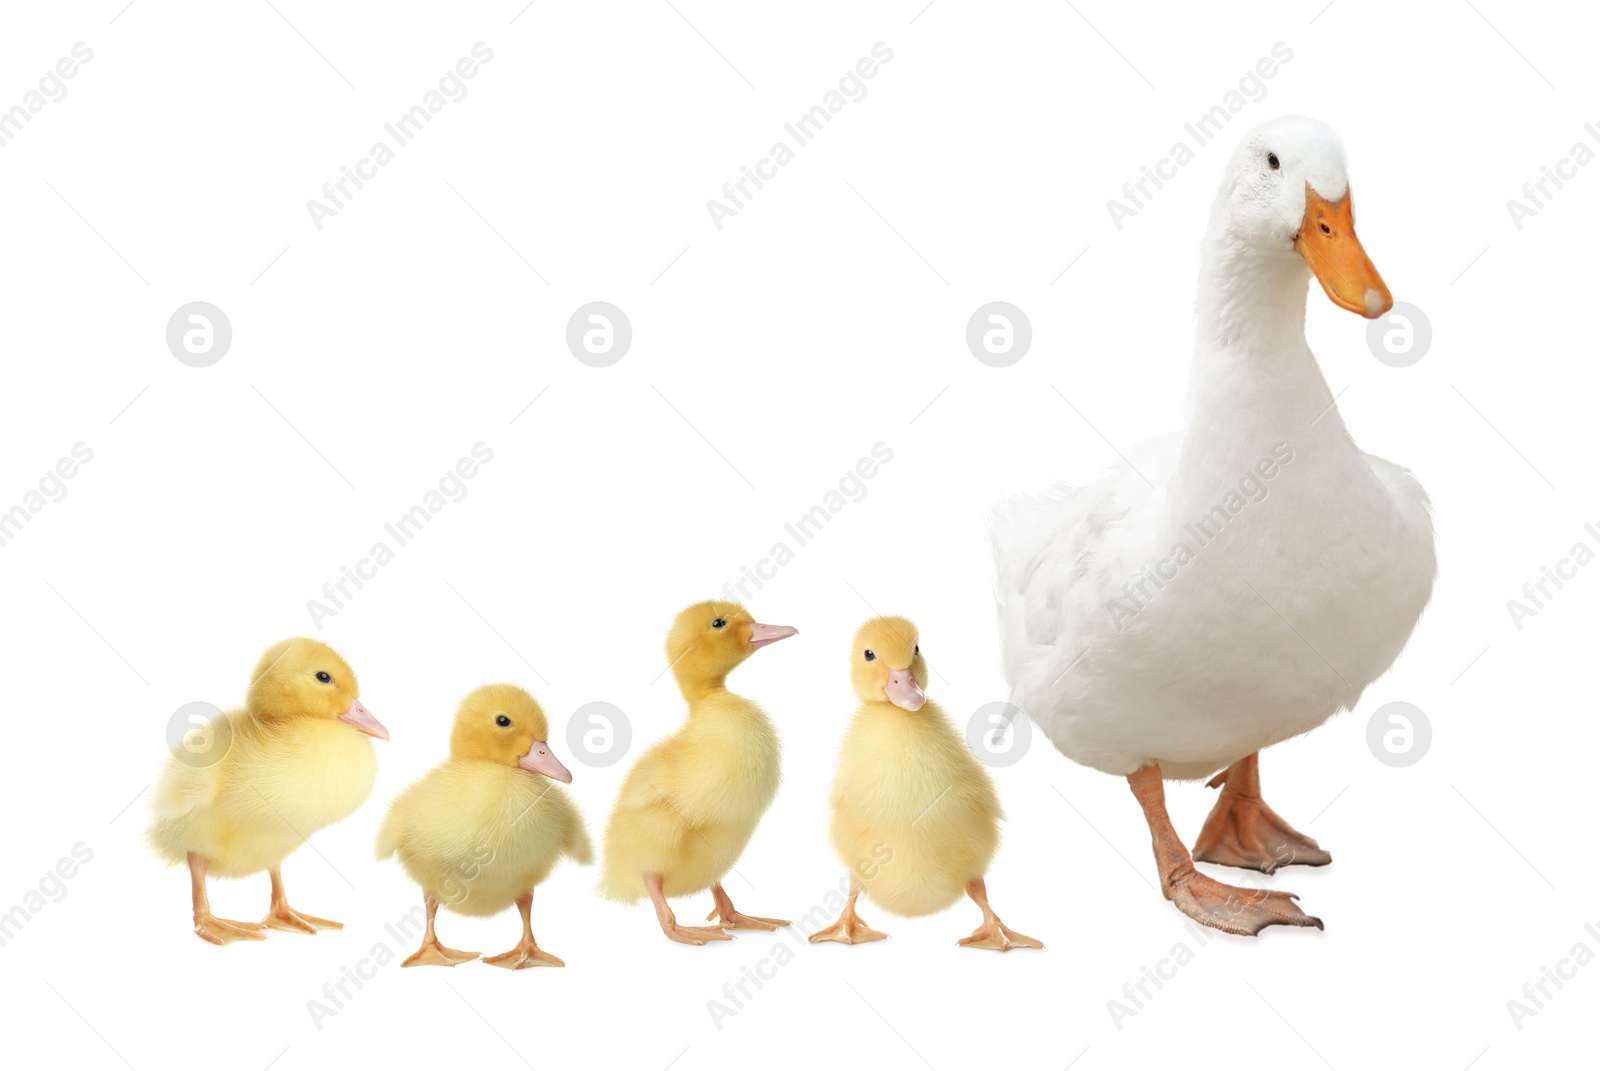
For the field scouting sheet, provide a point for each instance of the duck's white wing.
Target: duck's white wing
(1062, 559)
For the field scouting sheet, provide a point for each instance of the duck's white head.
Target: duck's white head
(1286, 191)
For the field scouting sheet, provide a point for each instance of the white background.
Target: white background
(416, 324)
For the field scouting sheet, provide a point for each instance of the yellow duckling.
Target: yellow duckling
(484, 827)
(297, 758)
(691, 802)
(915, 816)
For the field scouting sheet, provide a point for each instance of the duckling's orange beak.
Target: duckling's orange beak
(904, 691)
(362, 719)
(762, 635)
(540, 759)
(1327, 240)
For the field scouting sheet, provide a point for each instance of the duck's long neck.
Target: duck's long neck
(1254, 383)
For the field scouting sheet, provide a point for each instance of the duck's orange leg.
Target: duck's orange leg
(1243, 831)
(1225, 907)
(684, 935)
(994, 933)
(726, 916)
(432, 953)
(208, 926)
(527, 953)
(283, 917)
(849, 929)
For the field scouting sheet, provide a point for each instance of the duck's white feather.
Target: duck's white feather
(1187, 609)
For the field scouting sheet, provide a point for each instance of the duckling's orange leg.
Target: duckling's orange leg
(284, 917)
(432, 953)
(1243, 831)
(734, 920)
(994, 933)
(527, 953)
(208, 926)
(1225, 907)
(684, 935)
(849, 929)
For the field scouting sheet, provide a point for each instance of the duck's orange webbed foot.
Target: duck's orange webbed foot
(1210, 902)
(1243, 831)
(1232, 909)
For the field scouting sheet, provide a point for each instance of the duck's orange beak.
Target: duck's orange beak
(362, 719)
(1327, 240)
(904, 691)
(762, 635)
(540, 759)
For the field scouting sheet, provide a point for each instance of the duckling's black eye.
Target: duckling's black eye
(502, 721)
(322, 675)
(1272, 160)
(868, 655)
(915, 650)
(720, 622)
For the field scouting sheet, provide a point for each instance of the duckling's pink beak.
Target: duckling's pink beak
(762, 635)
(540, 759)
(362, 719)
(904, 691)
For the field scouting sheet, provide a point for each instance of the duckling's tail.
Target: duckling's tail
(388, 840)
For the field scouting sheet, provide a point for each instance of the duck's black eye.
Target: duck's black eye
(1272, 160)
(915, 650)
(868, 655)
(502, 721)
(322, 675)
(720, 622)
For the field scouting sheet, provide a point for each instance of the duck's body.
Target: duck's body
(914, 814)
(1239, 584)
(277, 785)
(477, 834)
(692, 802)
(1140, 626)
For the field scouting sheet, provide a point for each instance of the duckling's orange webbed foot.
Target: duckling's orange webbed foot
(225, 931)
(1243, 831)
(432, 953)
(1223, 907)
(849, 930)
(206, 925)
(993, 933)
(726, 916)
(683, 935)
(527, 953)
(283, 917)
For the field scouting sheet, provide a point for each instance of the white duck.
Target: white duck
(1239, 584)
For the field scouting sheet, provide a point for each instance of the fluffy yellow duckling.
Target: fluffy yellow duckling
(691, 802)
(915, 816)
(298, 757)
(484, 827)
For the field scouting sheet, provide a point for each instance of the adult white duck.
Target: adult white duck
(1240, 583)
